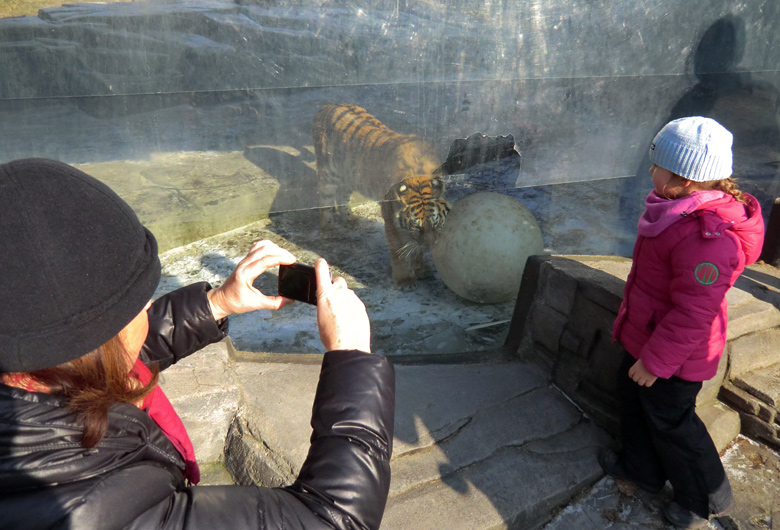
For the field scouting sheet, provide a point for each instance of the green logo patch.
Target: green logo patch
(706, 273)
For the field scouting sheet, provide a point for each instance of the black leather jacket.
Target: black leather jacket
(133, 479)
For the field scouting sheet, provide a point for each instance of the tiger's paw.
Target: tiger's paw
(405, 284)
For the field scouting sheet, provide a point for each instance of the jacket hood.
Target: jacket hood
(751, 231)
(745, 221)
(661, 213)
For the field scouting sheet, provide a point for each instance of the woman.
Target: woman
(87, 439)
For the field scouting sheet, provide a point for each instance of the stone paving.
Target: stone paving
(479, 445)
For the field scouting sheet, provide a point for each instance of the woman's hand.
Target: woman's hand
(237, 295)
(641, 375)
(341, 316)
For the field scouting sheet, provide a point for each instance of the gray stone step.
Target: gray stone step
(754, 320)
(754, 351)
(517, 486)
(764, 384)
(466, 435)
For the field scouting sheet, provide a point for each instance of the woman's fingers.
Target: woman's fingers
(341, 316)
(237, 294)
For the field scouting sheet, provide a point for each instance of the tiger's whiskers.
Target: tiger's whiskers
(409, 249)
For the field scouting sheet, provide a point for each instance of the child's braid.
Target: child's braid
(729, 186)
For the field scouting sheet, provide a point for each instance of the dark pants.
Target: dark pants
(663, 439)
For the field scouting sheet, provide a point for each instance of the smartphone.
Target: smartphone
(297, 281)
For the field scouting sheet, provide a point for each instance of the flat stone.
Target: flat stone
(753, 352)
(538, 414)
(711, 387)
(458, 429)
(206, 397)
(547, 326)
(739, 399)
(172, 198)
(518, 486)
(277, 407)
(754, 315)
(558, 289)
(722, 423)
(763, 384)
(762, 431)
(433, 400)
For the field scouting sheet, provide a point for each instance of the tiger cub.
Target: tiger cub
(357, 152)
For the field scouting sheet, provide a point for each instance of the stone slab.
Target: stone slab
(204, 392)
(277, 407)
(763, 384)
(432, 401)
(754, 301)
(722, 423)
(752, 352)
(517, 487)
(750, 317)
(536, 415)
(459, 428)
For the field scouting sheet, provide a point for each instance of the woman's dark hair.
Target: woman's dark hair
(93, 383)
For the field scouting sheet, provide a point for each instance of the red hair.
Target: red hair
(93, 383)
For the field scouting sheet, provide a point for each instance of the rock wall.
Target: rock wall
(563, 322)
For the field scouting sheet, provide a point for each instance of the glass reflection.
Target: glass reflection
(200, 114)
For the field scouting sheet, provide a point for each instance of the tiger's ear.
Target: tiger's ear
(395, 191)
(437, 183)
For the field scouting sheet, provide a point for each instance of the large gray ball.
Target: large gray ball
(482, 248)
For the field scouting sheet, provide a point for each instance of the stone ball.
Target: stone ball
(482, 248)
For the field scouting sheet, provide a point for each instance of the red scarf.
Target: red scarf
(159, 408)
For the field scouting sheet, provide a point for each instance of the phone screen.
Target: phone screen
(298, 282)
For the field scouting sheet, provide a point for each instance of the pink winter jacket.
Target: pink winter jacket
(688, 253)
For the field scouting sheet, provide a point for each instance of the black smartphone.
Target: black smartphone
(297, 281)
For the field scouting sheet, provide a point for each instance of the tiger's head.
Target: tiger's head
(421, 207)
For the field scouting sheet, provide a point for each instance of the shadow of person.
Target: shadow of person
(745, 106)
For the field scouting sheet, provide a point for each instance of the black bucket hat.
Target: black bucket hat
(77, 265)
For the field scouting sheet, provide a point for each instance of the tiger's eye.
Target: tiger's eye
(402, 188)
(436, 183)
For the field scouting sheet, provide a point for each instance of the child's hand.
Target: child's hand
(641, 375)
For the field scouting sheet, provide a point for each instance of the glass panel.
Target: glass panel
(199, 113)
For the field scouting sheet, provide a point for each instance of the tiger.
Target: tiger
(356, 152)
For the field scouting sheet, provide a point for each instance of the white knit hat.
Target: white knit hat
(695, 148)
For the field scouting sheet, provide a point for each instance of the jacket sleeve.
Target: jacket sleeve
(346, 476)
(703, 270)
(344, 481)
(181, 323)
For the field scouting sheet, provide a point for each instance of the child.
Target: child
(696, 236)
